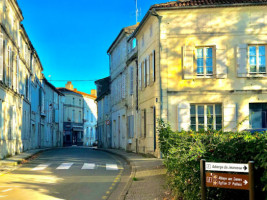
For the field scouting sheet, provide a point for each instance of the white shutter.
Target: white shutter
(221, 62)
(140, 76)
(148, 70)
(1, 121)
(242, 60)
(153, 66)
(144, 73)
(123, 86)
(188, 62)
(131, 79)
(1, 57)
(17, 74)
(184, 116)
(229, 117)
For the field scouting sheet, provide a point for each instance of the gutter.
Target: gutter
(155, 8)
(155, 14)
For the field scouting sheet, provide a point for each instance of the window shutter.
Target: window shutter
(17, 74)
(229, 117)
(221, 62)
(188, 62)
(148, 70)
(131, 80)
(144, 73)
(184, 116)
(123, 86)
(242, 57)
(153, 66)
(1, 57)
(140, 76)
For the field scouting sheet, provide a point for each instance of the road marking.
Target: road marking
(41, 167)
(111, 167)
(3, 196)
(88, 166)
(7, 190)
(65, 166)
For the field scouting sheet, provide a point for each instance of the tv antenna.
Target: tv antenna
(137, 12)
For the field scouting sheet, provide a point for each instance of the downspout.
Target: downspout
(155, 14)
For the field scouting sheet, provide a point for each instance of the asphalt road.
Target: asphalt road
(66, 173)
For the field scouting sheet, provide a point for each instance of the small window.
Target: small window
(134, 43)
(151, 30)
(206, 117)
(257, 59)
(204, 61)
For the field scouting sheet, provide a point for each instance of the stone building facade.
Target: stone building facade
(200, 65)
(80, 116)
(21, 85)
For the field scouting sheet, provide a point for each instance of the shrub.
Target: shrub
(182, 152)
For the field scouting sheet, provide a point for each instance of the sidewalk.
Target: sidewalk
(11, 163)
(147, 180)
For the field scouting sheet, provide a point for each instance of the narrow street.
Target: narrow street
(65, 173)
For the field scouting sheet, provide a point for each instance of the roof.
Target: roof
(186, 3)
(127, 30)
(87, 95)
(65, 90)
(103, 87)
(195, 4)
(53, 87)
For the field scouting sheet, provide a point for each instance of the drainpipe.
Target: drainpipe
(155, 14)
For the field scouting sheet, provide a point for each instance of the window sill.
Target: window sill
(204, 77)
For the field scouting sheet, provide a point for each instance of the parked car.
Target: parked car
(256, 130)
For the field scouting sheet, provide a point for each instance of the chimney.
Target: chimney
(93, 92)
(69, 85)
(75, 89)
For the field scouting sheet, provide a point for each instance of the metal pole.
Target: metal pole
(251, 180)
(203, 179)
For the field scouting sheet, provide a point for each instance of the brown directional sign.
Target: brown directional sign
(223, 180)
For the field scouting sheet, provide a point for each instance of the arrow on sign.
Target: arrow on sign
(245, 182)
(245, 168)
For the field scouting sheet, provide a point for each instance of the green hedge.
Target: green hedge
(182, 152)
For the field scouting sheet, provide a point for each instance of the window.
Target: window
(151, 30)
(92, 117)
(73, 112)
(258, 115)
(144, 123)
(204, 59)
(80, 116)
(131, 80)
(257, 59)
(207, 116)
(73, 101)
(134, 43)
(143, 40)
(80, 102)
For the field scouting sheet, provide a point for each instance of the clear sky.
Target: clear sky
(72, 37)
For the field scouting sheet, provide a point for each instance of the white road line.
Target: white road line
(88, 166)
(7, 190)
(111, 167)
(65, 166)
(3, 196)
(41, 167)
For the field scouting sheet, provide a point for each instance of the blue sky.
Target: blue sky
(72, 37)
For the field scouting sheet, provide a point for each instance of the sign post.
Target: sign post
(251, 180)
(203, 178)
(227, 180)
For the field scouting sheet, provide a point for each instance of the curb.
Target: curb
(16, 163)
(133, 173)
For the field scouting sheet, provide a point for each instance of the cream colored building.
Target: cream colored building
(21, 85)
(118, 53)
(80, 116)
(202, 66)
